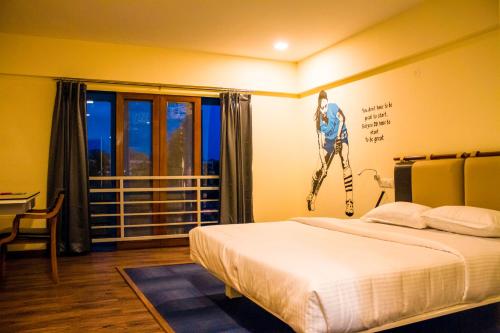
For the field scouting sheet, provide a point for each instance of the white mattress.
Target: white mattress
(329, 275)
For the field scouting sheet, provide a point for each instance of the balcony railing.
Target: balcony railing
(131, 208)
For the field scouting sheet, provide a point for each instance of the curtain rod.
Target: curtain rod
(445, 156)
(180, 87)
(155, 85)
(162, 85)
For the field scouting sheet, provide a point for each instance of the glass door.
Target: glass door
(137, 156)
(158, 135)
(180, 155)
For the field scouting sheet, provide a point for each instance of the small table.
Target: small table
(17, 203)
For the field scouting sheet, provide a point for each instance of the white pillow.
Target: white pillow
(465, 220)
(401, 213)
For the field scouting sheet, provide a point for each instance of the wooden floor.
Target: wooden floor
(92, 296)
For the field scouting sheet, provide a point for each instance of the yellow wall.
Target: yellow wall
(81, 59)
(445, 100)
(26, 102)
(438, 63)
(424, 27)
(25, 122)
(26, 99)
(278, 165)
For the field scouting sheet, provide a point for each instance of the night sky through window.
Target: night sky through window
(101, 132)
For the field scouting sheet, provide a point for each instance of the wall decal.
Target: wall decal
(375, 118)
(332, 140)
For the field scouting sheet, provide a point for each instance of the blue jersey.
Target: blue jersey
(331, 127)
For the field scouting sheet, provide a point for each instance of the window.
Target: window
(210, 119)
(101, 133)
(144, 136)
(101, 159)
(137, 138)
(210, 109)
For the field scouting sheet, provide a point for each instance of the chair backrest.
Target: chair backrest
(56, 206)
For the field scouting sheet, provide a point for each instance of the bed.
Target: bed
(333, 275)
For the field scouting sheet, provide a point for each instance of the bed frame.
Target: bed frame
(451, 179)
(466, 180)
(437, 180)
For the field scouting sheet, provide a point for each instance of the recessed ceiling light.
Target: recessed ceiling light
(281, 45)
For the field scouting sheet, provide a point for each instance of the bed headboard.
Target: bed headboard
(467, 180)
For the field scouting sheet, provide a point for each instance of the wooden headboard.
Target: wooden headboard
(471, 181)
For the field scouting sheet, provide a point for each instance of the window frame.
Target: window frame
(159, 139)
(159, 135)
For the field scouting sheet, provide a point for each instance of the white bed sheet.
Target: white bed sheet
(330, 275)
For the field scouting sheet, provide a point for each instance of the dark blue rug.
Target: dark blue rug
(190, 299)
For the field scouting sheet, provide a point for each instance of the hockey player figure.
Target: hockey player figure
(332, 140)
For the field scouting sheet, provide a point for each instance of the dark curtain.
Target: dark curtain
(68, 168)
(236, 159)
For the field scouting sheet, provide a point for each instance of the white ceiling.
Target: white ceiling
(235, 27)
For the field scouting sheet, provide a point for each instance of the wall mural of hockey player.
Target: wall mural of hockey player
(332, 140)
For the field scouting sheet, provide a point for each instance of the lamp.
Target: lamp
(382, 183)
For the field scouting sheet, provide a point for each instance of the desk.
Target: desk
(17, 203)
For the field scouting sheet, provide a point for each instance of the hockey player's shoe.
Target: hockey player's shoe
(349, 208)
(310, 202)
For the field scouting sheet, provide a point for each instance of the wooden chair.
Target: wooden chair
(34, 235)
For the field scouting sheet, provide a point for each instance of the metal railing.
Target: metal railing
(158, 206)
